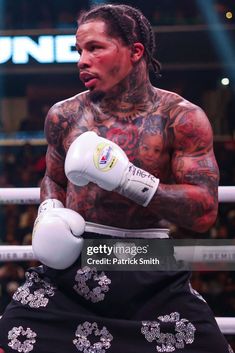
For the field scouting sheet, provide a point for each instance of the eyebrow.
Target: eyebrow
(90, 42)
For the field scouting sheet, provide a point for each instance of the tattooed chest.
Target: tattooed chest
(143, 139)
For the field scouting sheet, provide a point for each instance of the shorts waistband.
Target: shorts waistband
(149, 233)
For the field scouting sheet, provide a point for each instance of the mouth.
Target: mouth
(88, 79)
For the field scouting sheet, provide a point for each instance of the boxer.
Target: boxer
(130, 159)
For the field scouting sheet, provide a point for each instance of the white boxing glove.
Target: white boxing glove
(57, 240)
(98, 160)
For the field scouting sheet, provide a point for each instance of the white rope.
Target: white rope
(192, 254)
(226, 324)
(32, 195)
(16, 253)
(226, 193)
(203, 253)
(19, 196)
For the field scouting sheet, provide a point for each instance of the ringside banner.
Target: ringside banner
(41, 49)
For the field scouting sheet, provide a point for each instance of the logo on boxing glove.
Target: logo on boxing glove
(104, 157)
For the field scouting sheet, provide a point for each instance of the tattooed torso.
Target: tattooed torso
(146, 136)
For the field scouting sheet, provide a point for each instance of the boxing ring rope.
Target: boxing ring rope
(32, 195)
(226, 324)
(192, 254)
(25, 252)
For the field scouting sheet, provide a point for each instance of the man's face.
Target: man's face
(105, 61)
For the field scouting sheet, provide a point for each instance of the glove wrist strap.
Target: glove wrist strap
(138, 185)
(48, 204)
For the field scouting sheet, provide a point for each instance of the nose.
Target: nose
(84, 60)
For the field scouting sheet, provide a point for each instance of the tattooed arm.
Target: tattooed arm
(193, 201)
(54, 182)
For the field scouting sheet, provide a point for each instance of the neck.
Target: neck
(132, 97)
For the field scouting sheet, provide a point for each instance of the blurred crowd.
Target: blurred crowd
(61, 14)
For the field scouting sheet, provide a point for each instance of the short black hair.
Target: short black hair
(127, 23)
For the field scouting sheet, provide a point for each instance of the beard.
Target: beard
(96, 96)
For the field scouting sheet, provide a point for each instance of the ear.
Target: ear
(137, 51)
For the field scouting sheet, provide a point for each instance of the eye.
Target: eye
(94, 47)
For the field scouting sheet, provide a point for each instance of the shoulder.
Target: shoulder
(187, 121)
(62, 116)
(180, 110)
(172, 102)
(68, 106)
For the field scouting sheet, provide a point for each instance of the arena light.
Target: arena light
(223, 43)
(45, 49)
(229, 15)
(225, 81)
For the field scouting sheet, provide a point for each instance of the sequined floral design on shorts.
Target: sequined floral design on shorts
(86, 330)
(168, 341)
(34, 298)
(87, 274)
(21, 340)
